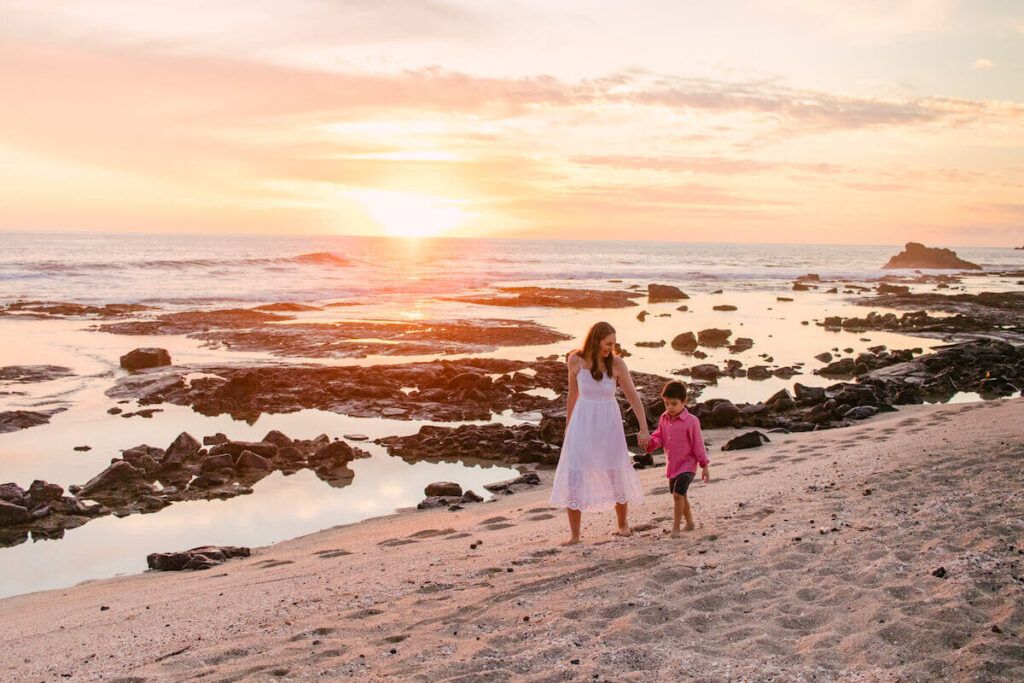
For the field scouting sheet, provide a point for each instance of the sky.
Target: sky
(805, 121)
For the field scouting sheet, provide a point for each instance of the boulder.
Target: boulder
(724, 307)
(11, 514)
(758, 372)
(183, 447)
(824, 357)
(120, 473)
(707, 371)
(658, 293)
(860, 413)
(443, 488)
(235, 448)
(41, 492)
(277, 438)
(752, 439)
(248, 460)
(436, 502)
(11, 493)
(685, 342)
(886, 288)
(808, 395)
(471, 497)
(916, 255)
(337, 452)
(212, 463)
(713, 337)
(149, 357)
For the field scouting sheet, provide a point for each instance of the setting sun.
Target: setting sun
(403, 214)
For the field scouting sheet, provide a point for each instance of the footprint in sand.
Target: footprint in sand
(396, 639)
(492, 520)
(546, 509)
(396, 541)
(537, 518)
(267, 564)
(430, 533)
(328, 554)
(496, 527)
(363, 613)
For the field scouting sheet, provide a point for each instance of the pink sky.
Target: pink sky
(844, 122)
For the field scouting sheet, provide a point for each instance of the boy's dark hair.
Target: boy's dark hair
(674, 389)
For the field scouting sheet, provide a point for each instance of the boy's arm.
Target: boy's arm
(655, 442)
(697, 444)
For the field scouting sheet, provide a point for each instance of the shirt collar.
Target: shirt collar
(681, 416)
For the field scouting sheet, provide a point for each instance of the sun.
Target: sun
(404, 214)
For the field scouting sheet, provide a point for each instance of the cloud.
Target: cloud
(983, 64)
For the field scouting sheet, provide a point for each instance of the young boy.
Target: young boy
(679, 434)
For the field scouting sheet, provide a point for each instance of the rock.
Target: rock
(860, 413)
(200, 558)
(886, 288)
(741, 344)
(527, 479)
(642, 316)
(248, 460)
(11, 514)
(752, 439)
(940, 573)
(800, 287)
(215, 440)
(824, 357)
(393, 412)
(13, 420)
(443, 488)
(118, 474)
(167, 562)
(758, 372)
(659, 293)
(783, 298)
(707, 372)
(685, 342)
(11, 493)
(337, 452)
(184, 447)
(781, 401)
(808, 395)
(471, 497)
(277, 438)
(651, 344)
(41, 492)
(713, 337)
(235, 448)
(436, 502)
(212, 463)
(149, 357)
(724, 307)
(916, 255)
(357, 437)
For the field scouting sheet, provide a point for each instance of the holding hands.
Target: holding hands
(644, 440)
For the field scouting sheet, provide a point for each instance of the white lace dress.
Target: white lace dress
(594, 469)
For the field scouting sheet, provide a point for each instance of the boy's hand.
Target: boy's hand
(705, 474)
(643, 441)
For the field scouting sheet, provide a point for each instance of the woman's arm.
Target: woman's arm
(626, 382)
(574, 388)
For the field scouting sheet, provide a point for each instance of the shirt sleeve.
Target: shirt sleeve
(697, 444)
(656, 440)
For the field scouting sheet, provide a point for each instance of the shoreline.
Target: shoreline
(834, 604)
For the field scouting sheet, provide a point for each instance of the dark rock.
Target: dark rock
(336, 452)
(741, 344)
(436, 502)
(752, 439)
(808, 395)
(11, 514)
(247, 460)
(277, 438)
(219, 461)
(41, 492)
(824, 357)
(940, 573)
(471, 497)
(758, 372)
(713, 337)
(184, 447)
(82, 449)
(860, 413)
(886, 288)
(216, 439)
(14, 420)
(119, 474)
(685, 342)
(235, 448)
(916, 255)
(659, 293)
(443, 488)
(651, 344)
(707, 372)
(724, 307)
(140, 359)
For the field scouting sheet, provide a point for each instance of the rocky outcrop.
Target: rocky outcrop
(199, 558)
(916, 255)
(754, 439)
(14, 420)
(661, 293)
(25, 374)
(552, 297)
(139, 359)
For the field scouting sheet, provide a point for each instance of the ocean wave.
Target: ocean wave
(320, 258)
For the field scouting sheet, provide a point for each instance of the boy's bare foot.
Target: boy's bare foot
(690, 527)
(623, 531)
(573, 540)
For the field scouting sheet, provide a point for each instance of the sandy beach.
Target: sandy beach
(891, 550)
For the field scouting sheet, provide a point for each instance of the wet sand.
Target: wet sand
(814, 558)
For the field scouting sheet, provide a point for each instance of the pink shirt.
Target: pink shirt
(681, 438)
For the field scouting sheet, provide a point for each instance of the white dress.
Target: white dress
(594, 469)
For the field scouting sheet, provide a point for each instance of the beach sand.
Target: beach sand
(813, 560)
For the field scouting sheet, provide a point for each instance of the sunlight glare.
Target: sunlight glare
(403, 214)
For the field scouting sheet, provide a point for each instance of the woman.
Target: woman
(594, 469)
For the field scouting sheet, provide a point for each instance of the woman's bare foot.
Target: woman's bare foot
(623, 531)
(676, 533)
(573, 540)
(690, 526)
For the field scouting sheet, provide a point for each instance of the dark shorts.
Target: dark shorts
(680, 483)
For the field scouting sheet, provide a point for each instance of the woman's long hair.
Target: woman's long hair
(592, 348)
